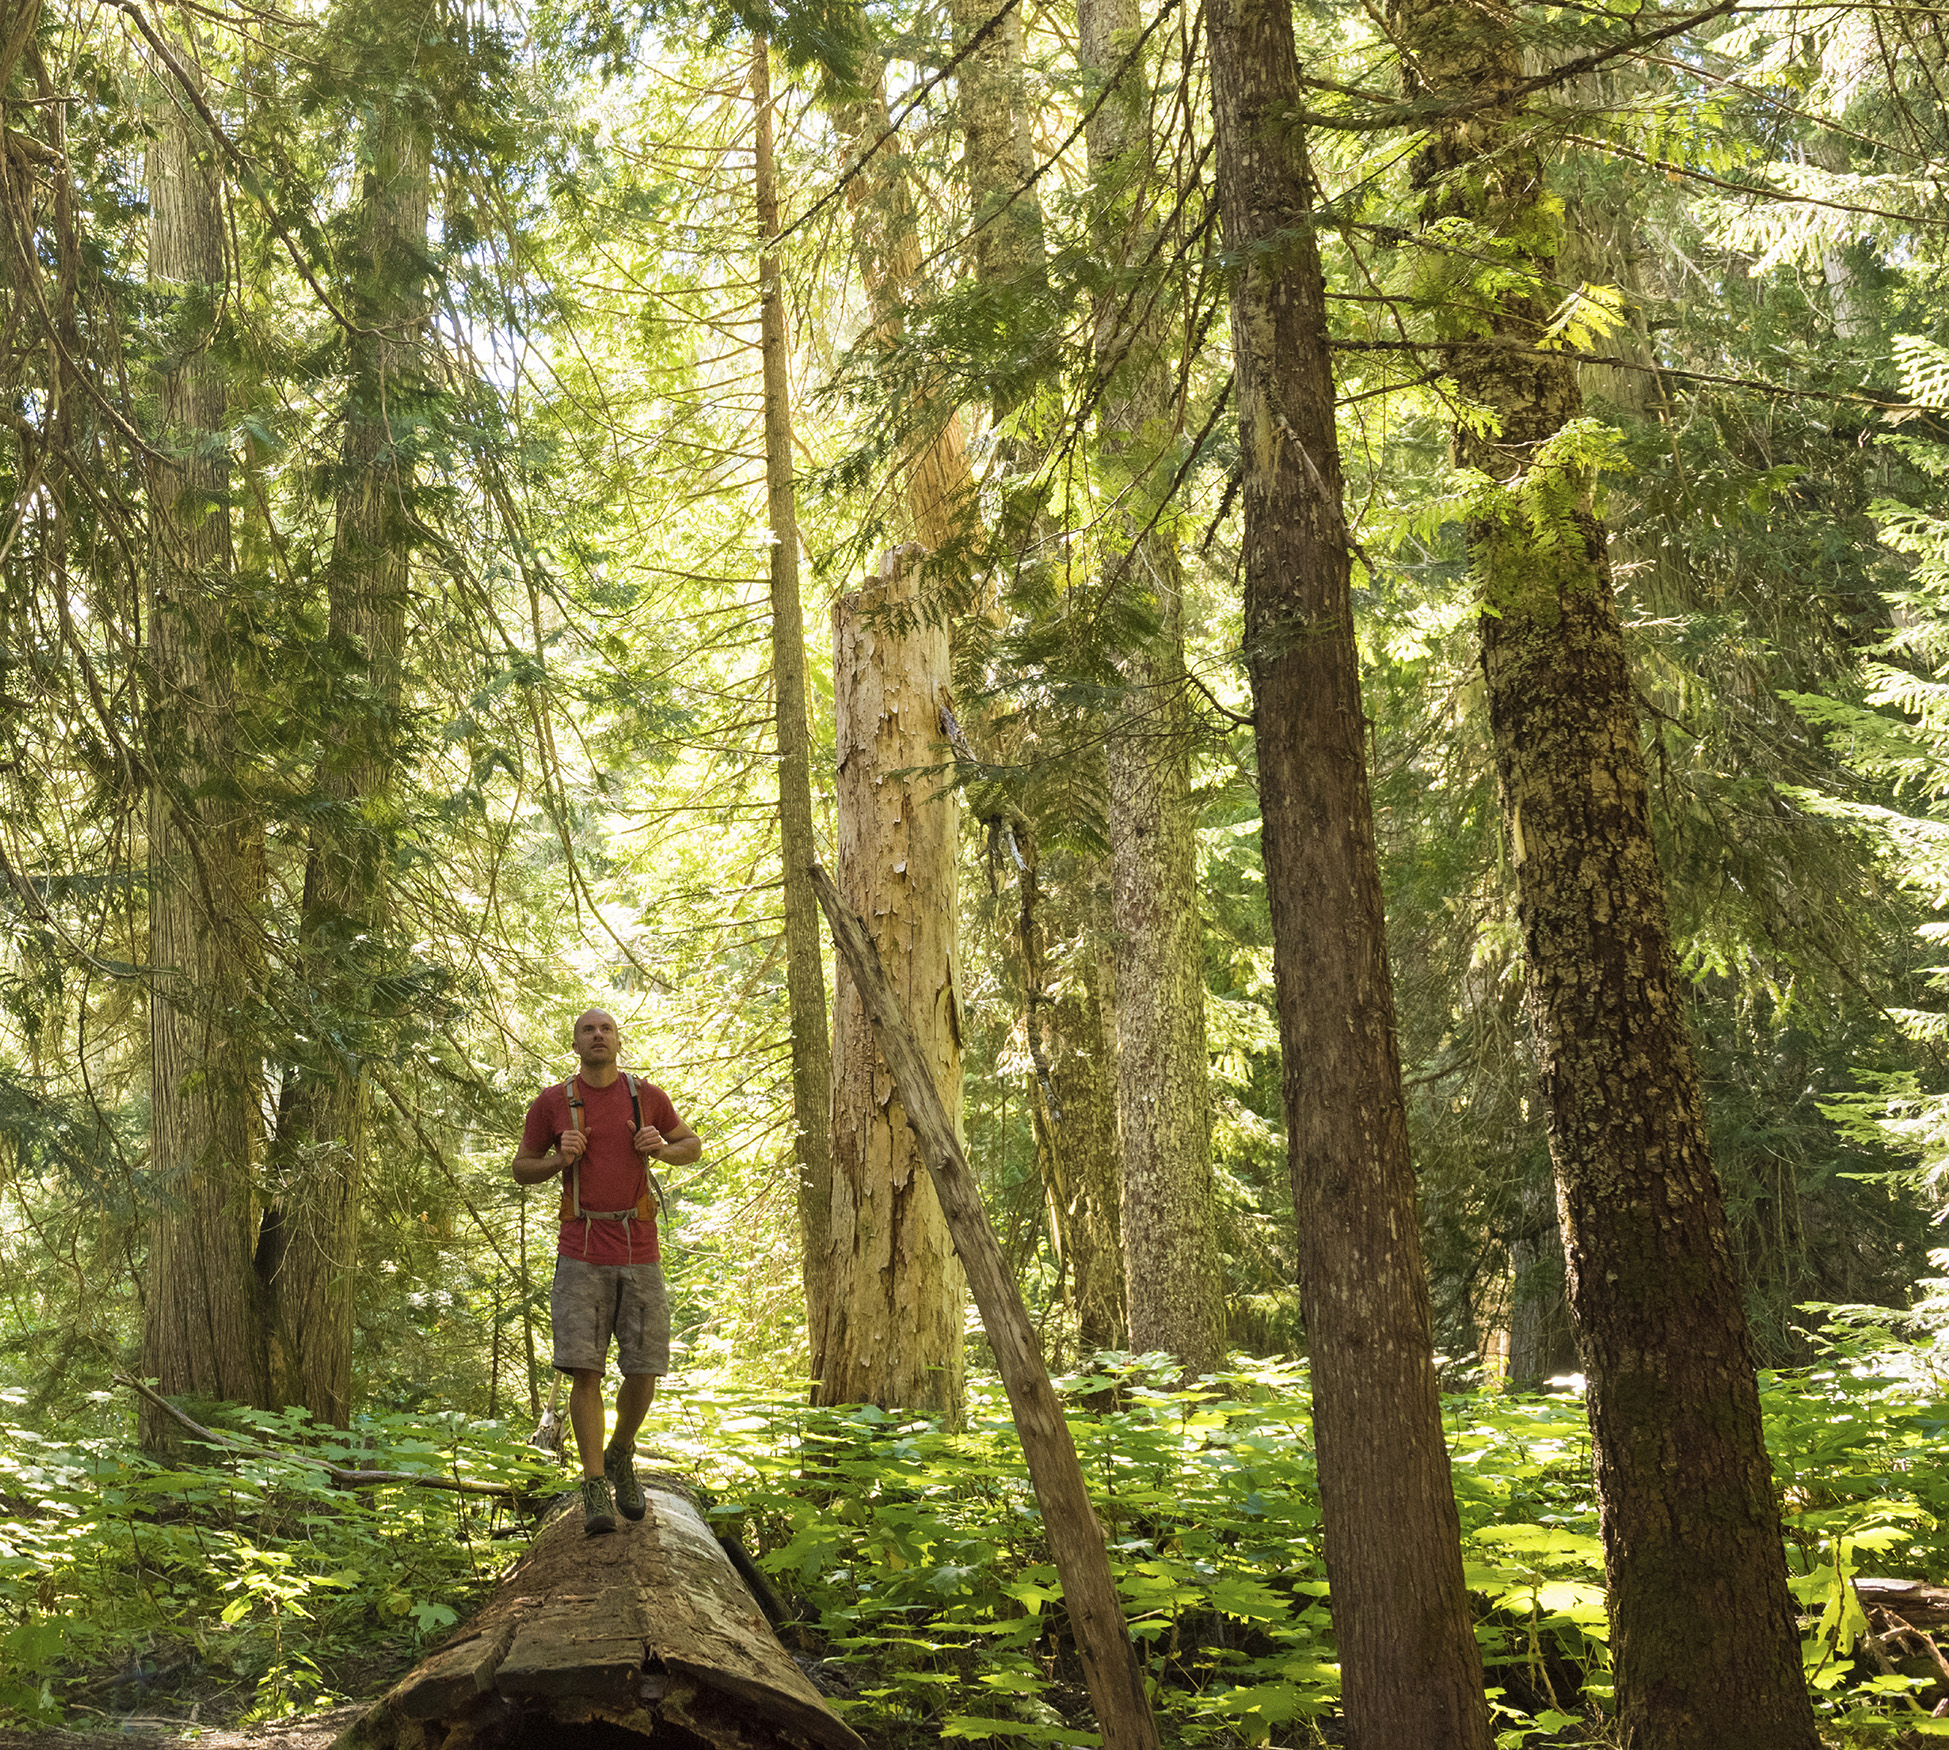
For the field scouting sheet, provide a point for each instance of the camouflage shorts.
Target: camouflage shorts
(590, 1303)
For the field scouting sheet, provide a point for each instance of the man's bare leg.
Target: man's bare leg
(632, 1405)
(585, 1417)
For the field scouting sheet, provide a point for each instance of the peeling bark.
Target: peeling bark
(936, 483)
(893, 1329)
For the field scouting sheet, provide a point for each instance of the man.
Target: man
(600, 1129)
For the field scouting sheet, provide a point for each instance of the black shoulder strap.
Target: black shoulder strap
(635, 1105)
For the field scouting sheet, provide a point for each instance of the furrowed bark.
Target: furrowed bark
(308, 1249)
(805, 976)
(998, 151)
(1171, 1269)
(1111, 1671)
(893, 1329)
(205, 852)
(1706, 1652)
(1411, 1674)
(1082, 1164)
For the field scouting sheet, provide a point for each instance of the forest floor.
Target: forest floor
(307, 1732)
(168, 1699)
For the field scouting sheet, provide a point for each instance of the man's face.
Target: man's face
(595, 1037)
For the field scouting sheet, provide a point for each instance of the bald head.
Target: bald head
(595, 1039)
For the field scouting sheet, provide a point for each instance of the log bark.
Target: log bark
(648, 1632)
(1917, 1603)
(1411, 1673)
(805, 974)
(1111, 1669)
(893, 1329)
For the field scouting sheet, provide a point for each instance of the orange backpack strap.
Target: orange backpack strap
(645, 1208)
(572, 1178)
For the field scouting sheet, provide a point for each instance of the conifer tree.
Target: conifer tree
(1393, 1537)
(804, 967)
(206, 856)
(1706, 1653)
(309, 1246)
(1171, 1269)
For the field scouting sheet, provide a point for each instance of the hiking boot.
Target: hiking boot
(619, 1467)
(597, 1513)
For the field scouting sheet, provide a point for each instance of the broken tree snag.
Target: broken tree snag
(892, 1331)
(604, 1641)
(1111, 1671)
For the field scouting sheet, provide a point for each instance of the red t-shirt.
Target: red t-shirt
(612, 1170)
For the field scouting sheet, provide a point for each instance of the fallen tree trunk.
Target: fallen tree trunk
(1917, 1604)
(610, 1641)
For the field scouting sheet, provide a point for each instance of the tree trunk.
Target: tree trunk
(805, 975)
(1112, 1672)
(998, 150)
(308, 1250)
(1074, 1032)
(1082, 1164)
(1703, 1637)
(1542, 1339)
(1393, 1538)
(1170, 1240)
(936, 485)
(205, 852)
(892, 1334)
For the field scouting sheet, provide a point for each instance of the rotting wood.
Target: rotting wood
(1918, 1604)
(645, 1631)
(1111, 1671)
(895, 1307)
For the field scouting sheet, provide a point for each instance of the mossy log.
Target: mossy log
(643, 1636)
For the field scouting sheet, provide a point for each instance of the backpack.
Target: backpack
(572, 1210)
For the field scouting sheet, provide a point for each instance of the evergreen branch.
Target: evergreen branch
(182, 76)
(1392, 112)
(1763, 190)
(1069, 139)
(893, 123)
(1169, 495)
(1757, 384)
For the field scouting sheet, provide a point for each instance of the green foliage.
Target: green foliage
(247, 1575)
(912, 1559)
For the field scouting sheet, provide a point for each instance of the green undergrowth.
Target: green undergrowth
(911, 1563)
(250, 1583)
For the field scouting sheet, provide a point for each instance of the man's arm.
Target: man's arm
(676, 1147)
(531, 1168)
